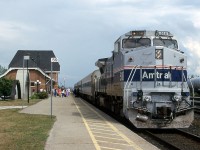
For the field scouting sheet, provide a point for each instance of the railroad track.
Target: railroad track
(164, 138)
(175, 139)
(197, 110)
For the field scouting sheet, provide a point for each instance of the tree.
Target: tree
(2, 70)
(5, 87)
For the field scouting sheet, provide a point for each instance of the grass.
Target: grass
(18, 102)
(21, 131)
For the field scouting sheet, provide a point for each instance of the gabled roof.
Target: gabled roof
(38, 58)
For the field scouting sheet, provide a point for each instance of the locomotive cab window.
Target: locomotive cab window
(170, 43)
(136, 42)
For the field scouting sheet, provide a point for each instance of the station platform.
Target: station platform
(80, 126)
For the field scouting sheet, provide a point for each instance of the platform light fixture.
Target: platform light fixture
(37, 83)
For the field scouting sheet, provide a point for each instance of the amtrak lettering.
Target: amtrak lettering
(161, 75)
(146, 75)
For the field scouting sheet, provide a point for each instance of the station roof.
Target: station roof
(38, 58)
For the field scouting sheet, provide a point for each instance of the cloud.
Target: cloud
(11, 31)
(193, 47)
(82, 31)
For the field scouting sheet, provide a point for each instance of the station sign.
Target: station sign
(54, 59)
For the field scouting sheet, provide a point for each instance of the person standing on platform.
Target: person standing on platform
(67, 92)
(63, 93)
(59, 92)
(55, 92)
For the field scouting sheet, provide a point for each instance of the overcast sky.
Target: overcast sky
(82, 31)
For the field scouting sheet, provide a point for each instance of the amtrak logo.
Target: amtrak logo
(158, 75)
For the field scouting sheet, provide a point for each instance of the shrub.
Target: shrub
(41, 95)
(5, 87)
(35, 96)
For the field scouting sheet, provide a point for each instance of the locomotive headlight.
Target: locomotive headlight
(159, 54)
(177, 98)
(130, 59)
(147, 98)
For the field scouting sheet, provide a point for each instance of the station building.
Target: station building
(31, 70)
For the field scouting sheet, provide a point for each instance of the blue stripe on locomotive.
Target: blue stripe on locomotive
(161, 75)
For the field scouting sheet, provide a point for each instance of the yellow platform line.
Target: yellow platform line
(109, 148)
(100, 126)
(131, 143)
(115, 134)
(114, 143)
(97, 122)
(96, 129)
(89, 131)
(109, 138)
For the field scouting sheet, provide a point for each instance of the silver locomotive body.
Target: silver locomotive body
(145, 80)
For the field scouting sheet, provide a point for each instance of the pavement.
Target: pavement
(68, 132)
(12, 107)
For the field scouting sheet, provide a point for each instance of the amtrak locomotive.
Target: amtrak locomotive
(144, 80)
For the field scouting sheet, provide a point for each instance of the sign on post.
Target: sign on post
(54, 59)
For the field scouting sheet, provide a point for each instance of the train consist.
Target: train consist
(144, 80)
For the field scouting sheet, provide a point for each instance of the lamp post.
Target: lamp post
(37, 83)
(27, 58)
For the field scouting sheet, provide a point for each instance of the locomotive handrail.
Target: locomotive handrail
(170, 77)
(188, 87)
(192, 92)
(140, 77)
(155, 79)
(129, 82)
(182, 81)
(130, 76)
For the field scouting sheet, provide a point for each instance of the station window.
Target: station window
(32, 83)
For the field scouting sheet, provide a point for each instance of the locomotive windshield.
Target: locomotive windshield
(170, 43)
(136, 42)
(146, 42)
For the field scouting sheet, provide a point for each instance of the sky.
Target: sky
(82, 31)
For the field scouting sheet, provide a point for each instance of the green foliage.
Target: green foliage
(34, 96)
(5, 87)
(41, 95)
